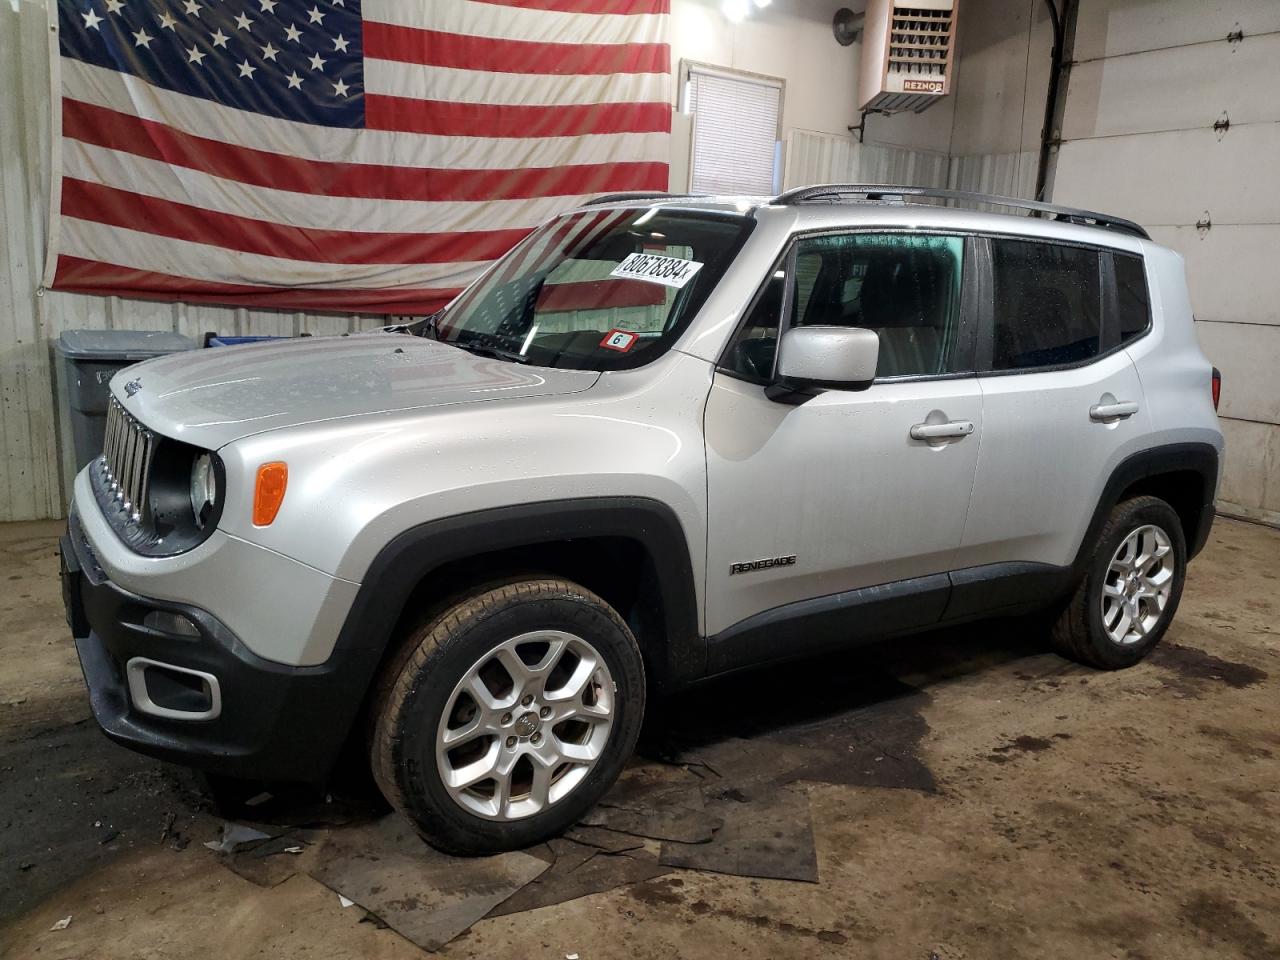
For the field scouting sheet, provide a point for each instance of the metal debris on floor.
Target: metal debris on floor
(237, 836)
(264, 855)
(425, 896)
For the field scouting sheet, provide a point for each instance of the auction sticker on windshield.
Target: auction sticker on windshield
(620, 340)
(668, 271)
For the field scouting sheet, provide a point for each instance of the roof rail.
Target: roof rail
(634, 195)
(833, 192)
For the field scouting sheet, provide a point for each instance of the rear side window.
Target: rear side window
(1131, 297)
(1048, 304)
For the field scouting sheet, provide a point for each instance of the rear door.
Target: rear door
(1062, 402)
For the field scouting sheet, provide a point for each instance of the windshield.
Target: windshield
(597, 290)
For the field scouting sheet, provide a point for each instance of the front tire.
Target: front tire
(508, 715)
(1131, 588)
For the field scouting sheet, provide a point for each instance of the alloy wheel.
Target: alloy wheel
(1138, 584)
(525, 725)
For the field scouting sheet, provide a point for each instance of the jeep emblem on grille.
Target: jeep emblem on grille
(132, 387)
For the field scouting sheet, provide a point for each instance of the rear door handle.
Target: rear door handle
(1102, 412)
(951, 430)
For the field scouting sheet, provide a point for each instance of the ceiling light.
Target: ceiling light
(735, 11)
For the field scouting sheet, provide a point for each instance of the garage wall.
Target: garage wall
(986, 135)
(790, 39)
(1005, 49)
(1150, 79)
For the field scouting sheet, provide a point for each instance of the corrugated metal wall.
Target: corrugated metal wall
(29, 486)
(1007, 174)
(37, 467)
(814, 157)
(823, 158)
(886, 164)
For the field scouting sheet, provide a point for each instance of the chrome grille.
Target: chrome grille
(126, 459)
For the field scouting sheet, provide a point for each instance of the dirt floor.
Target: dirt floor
(996, 802)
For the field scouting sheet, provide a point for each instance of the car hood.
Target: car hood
(214, 396)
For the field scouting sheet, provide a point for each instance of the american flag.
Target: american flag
(368, 155)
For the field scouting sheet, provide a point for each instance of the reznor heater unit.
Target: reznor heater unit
(907, 51)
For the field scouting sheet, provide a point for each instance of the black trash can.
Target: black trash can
(90, 358)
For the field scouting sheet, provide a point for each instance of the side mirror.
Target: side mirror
(814, 358)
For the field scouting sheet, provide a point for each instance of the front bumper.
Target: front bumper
(274, 722)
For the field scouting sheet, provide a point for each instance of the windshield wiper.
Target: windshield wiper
(484, 350)
(430, 326)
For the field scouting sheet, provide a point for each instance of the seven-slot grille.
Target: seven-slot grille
(126, 459)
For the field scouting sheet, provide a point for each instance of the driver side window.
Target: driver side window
(905, 287)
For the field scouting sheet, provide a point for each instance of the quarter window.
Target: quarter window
(1131, 297)
(1048, 304)
(755, 344)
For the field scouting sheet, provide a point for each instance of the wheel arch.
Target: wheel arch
(1184, 475)
(632, 551)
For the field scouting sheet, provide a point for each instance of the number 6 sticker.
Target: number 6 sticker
(620, 340)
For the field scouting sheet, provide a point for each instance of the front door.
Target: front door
(850, 489)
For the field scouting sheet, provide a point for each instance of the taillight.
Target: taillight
(1217, 387)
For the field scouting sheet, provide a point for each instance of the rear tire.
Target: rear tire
(1131, 588)
(538, 685)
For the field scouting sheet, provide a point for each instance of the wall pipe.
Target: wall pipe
(1058, 67)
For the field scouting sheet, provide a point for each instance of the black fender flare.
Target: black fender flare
(1199, 458)
(403, 563)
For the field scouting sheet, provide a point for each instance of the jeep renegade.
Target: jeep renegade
(662, 439)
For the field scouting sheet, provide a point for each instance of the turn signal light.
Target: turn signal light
(268, 492)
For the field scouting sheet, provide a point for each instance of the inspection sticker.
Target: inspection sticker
(620, 340)
(668, 271)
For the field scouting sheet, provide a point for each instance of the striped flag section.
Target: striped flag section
(370, 155)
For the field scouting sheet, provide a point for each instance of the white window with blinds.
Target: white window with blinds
(736, 120)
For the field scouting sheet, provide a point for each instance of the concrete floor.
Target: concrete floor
(1064, 812)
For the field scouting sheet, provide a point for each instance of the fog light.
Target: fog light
(173, 624)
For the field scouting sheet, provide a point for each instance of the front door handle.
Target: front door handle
(1104, 412)
(951, 430)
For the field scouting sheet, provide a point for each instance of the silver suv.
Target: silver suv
(662, 439)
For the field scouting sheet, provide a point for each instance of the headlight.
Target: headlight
(204, 488)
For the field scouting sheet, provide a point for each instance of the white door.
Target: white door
(838, 482)
(1061, 404)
